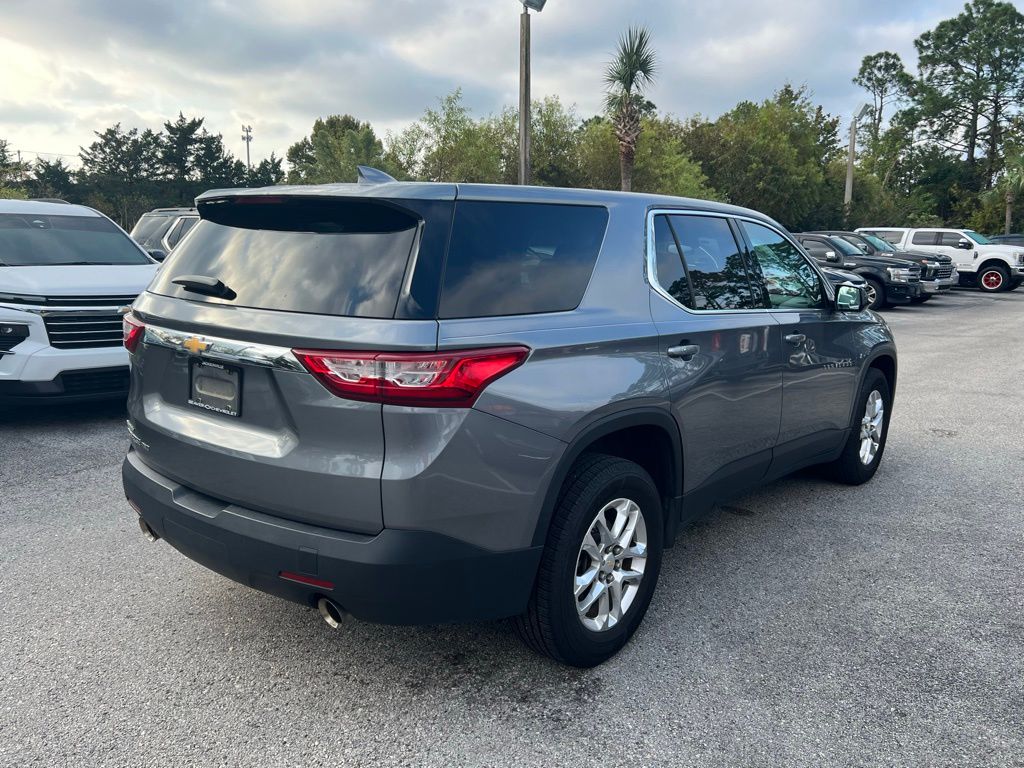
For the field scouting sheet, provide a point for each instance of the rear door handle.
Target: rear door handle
(684, 351)
(795, 338)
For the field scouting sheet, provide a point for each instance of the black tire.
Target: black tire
(879, 301)
(1014, 285)
(849, 468)
(551, 625)
(993, 279)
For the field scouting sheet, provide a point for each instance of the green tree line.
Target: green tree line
(943, 144)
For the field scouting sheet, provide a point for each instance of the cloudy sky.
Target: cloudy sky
(70, 67)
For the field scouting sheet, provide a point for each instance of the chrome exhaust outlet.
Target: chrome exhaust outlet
(148, 532)
(332, 612)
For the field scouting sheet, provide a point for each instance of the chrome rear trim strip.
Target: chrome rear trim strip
(226, 350)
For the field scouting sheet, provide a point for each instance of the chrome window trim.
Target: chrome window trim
(652, 274)
(225, 350)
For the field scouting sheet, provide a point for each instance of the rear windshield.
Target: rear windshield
(149, 228)
(29, 240)
(519, 258)
(319, 256)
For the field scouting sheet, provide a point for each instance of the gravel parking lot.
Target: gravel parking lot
(807, 624)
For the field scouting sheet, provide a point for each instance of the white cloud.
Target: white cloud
(70, 69)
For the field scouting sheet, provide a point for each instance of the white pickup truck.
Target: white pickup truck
(989, 266)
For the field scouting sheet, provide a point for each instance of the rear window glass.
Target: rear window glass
(519, 258)
(149, 228)
(327, 257)
(28, 240)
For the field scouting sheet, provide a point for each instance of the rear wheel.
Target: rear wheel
(600, 563)
(864, 448)
(876, 293)
(1013, 286)
(993, 279)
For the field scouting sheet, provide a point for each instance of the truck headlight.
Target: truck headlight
(898, 274)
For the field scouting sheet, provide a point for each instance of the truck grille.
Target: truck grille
(79, 330)
(944, 271)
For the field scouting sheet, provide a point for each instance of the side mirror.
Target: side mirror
(964, 245)
(849, 298)
(157, 254)
(832, 256)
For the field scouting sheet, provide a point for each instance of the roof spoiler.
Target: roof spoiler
(368, 175)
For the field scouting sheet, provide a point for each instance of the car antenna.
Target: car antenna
(368, 175)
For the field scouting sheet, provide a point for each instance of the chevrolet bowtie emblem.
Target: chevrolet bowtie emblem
(195, 345)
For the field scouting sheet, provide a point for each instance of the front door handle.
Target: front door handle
(795, 338)
(684, 351)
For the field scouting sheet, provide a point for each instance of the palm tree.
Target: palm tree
(1010, 188)
(627, 75)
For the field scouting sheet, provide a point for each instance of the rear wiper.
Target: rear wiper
(208, 286)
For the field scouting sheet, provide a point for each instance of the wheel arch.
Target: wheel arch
(882, 359)
(648, 436)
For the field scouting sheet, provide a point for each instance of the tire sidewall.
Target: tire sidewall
(879, 301)
(875, 380)
(1003, 279)
(576, 643)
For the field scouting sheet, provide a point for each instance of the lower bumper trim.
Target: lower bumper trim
(394, 577)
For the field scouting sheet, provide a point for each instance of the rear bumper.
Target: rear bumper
(394, 577)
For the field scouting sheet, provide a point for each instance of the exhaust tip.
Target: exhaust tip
(331, 612)
(148, 532)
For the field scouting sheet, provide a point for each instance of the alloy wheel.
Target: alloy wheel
(872, 293)
(871, 427)
(610, 564)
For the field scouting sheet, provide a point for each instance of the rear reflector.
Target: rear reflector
(310, 580)
(443, 380)
(133, 329)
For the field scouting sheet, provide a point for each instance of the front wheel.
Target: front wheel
(876, 293)
(864, 448)
(993, 279)
(600, 563)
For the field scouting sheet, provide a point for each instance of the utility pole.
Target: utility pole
(524, 96)
(247, 138)
(524, 87)
(858, 114)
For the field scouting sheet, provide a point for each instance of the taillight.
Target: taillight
(133, 329)
(444, 379)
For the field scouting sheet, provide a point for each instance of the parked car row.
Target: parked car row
(892, 276)
(988, 265)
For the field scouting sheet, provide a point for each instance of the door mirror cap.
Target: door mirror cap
(157, 254)
(831, 256)
(850, 297)
(964, 245)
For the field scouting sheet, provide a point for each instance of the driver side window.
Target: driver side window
(787, 279)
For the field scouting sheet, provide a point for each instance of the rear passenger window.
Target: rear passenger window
(519, 258)
(950, 239)
(714, 274)
(923, 238)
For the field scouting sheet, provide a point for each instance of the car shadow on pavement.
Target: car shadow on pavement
(51, 414)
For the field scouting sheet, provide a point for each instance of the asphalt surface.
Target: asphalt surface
(807, 624)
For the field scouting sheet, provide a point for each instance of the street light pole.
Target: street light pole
(524, 87)
(858, 113)
(524, 96)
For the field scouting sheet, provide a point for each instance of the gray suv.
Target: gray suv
(422, 403)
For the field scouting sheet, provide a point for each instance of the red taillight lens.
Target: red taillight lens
(134, 330)
(445, 379)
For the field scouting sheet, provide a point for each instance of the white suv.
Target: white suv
(67, 275)
(989, 266)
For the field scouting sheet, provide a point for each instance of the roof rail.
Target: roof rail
(49, 200)
(368, 175)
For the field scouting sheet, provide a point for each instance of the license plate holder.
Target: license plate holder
(215, 387)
